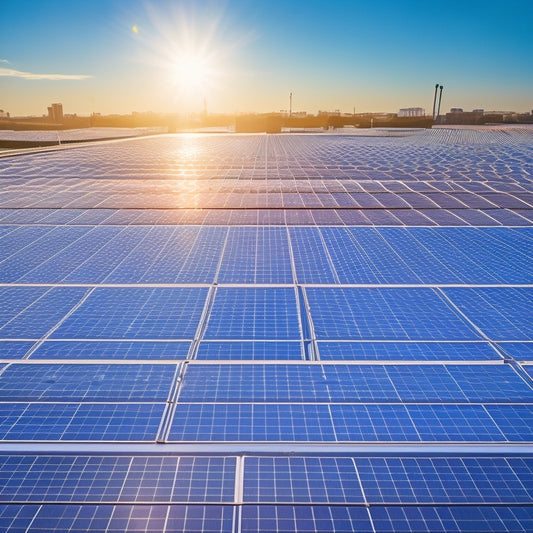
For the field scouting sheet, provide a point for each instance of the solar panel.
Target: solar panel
(142, 313)
(37, 309)
(458, 518)
(249, 350)
(301, 480)
(79, 422)
(119, 350)
(289, 518)
(268, 333)
(251, 422)
(502, 313)
(406, 351)
(254, 314)
(85, 383)
(424, 480)
(385, 313)
(99, 479)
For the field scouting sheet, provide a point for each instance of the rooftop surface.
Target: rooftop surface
(242, 333)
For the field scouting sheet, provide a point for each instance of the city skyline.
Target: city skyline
(114, 57)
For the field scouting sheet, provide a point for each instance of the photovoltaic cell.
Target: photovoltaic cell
(301, 480)
(502, 313)
(521, 351)
(70, 421)
(36, 318)
(136, 313)
(249, 350)
(251, 422)
(300, 518)
(514, 421)
(424, 480)
(385, 313)
(98, 479)
(15, 349)
(85, 383)
(112, 350)
(457, 518)
(406, 351)
(254, 314)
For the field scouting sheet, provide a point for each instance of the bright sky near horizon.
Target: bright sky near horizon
(113, 56)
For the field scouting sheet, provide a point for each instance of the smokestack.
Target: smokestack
(435, 99)
(290, 105)
(440, 98)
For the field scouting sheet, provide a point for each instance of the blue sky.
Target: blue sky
(117, 56)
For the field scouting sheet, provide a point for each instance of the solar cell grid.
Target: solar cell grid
(502, 313)
(79, 422)
(138, 313)
(272, 212)
(299, 480)
(385, 314)
(246, 350)
(93, 382)
(253, 314)
(300, 518)
(111, 350)
(406, 351)
(446, 519)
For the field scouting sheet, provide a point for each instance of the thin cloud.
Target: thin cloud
(31, 76)
(4, 61)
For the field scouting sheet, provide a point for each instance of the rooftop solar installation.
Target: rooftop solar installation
(248, 333)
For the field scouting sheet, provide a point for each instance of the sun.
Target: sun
(192, 73)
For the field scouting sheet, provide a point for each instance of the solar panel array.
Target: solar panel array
(244, 333)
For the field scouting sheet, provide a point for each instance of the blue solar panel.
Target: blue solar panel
(256, 255)
(514, 421)
(502, 313)
(139, 313)
(14, 349)
(148, 479)
(74, 254)
(189, 255)
(247, 350)
(385, 313)
(200, 519)
(17, 518)
(427, 267)
(112, 350)
(35, 318)
(99, 422)
(251, 422)
(129, 360)
(452, 255)
(424, 480)
(286, 383)
(446, 519)
(302, 518)
(301, 480)
(310, 257)
(520, 351)
(53, 242)
(414, 423)
(110, 258)
(254, 314)
(406, 351)
(85, 383)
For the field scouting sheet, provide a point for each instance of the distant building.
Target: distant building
(4, 114)
(55, 113)
(411, 112)
(456, 110)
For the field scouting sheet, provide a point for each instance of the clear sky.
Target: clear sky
(118, 56)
